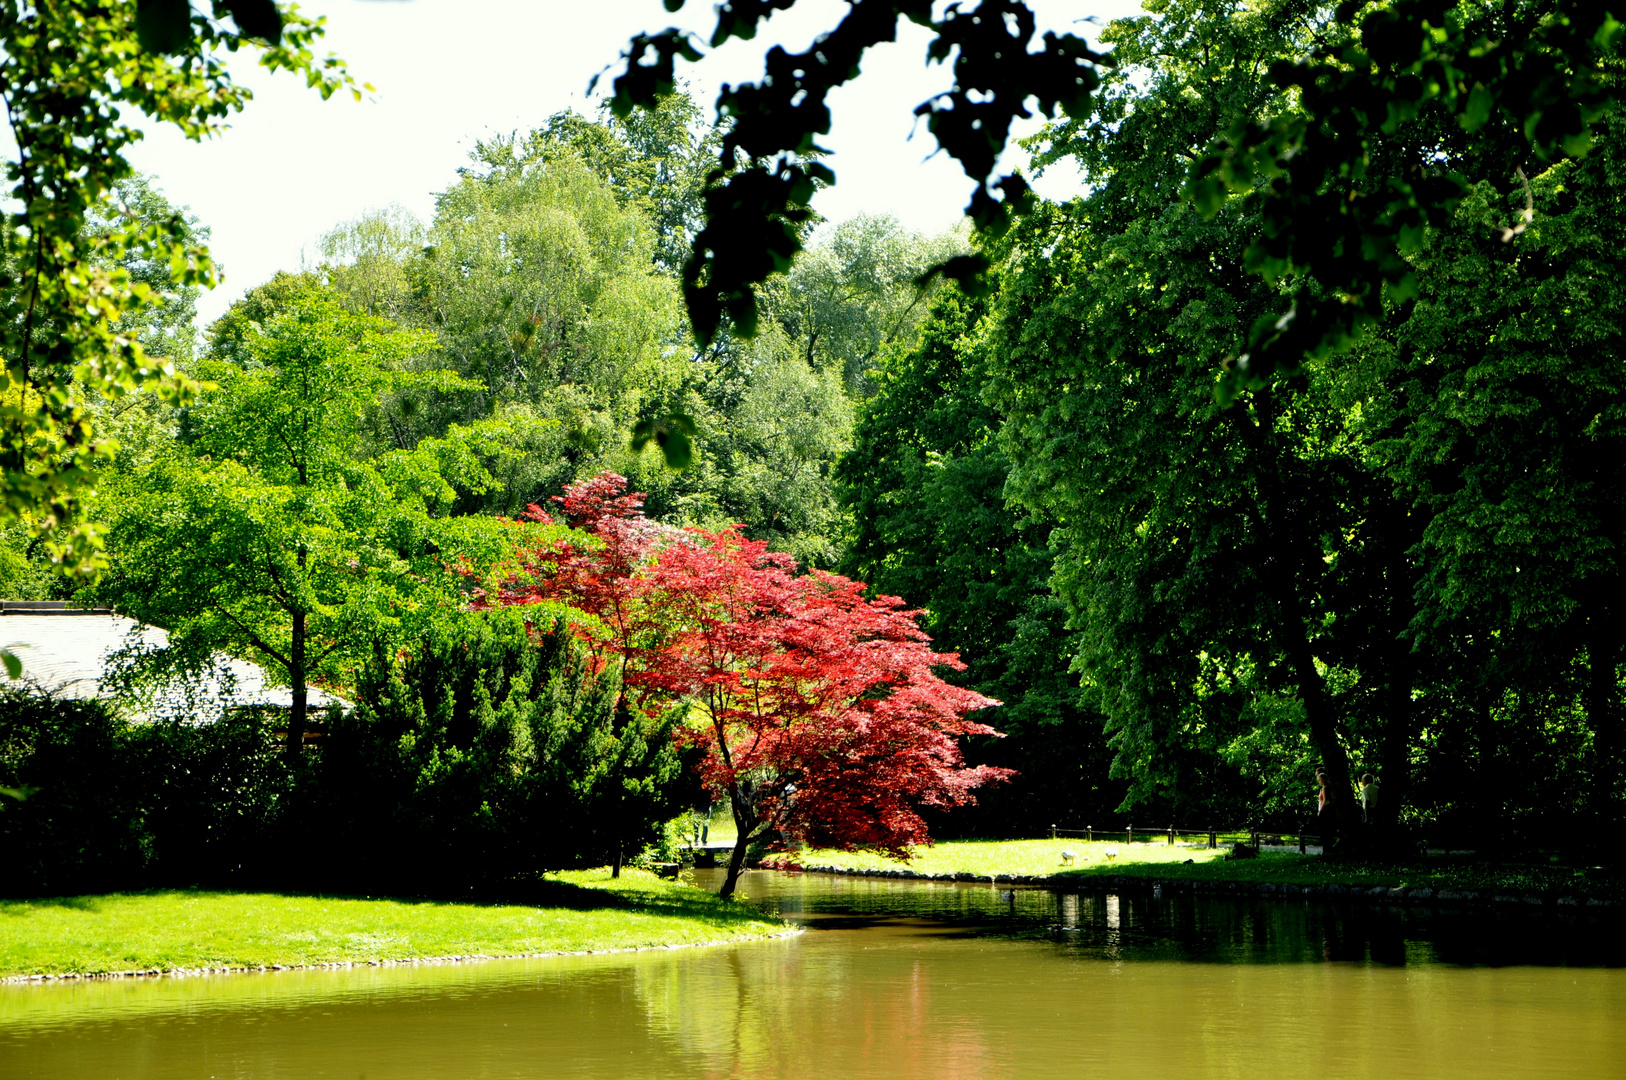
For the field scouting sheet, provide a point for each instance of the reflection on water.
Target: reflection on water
(904, 979)
(1206, 929)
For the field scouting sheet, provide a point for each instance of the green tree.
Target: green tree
(1494, 404)
(537, 278)
(365, 260)
(540, 284)
(166, 327)
(856, 291)
(487, 749)
(782, 443)
(69, 72)
(135, 427)
(278, 536)
(1539, 70)
(924, 486)
(1232, 572)
(654, 159)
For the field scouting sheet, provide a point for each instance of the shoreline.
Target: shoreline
(345, 965)
(186, 933)
(1157, 886)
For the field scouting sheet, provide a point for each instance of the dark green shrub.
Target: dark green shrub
(477, 758)
(209, 796)
(80, 828)
(482, 756)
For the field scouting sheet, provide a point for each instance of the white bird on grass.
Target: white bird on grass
(1068, 856)
(1111, 853)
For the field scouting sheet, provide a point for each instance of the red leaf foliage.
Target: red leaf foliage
(818, 711)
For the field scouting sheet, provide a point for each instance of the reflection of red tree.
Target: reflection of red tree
(824, 716)
(820, 1019)
(904, 1041)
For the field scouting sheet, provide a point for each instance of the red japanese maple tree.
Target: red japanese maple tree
(602, 576)
(819, 712)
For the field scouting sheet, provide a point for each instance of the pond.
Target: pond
(905, 979)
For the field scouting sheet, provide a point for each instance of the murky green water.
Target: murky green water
(902, 979)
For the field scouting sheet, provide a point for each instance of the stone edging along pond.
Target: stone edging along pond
(411, 961)
(1265, 889)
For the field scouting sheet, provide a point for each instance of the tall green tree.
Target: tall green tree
(537, 278)
(365, 261)
(924, 485)
(857, 290)
(1494, 404)
(275, 534)
(1225, 567)
(70, 73)
(654, 159)
(1541, 70)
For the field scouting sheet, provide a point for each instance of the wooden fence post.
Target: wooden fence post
(1052, 832)
(1089, 833)
(1130, 835)
(1213, 837)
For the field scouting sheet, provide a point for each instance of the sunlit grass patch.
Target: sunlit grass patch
(1026, 857)
(184, 929)
(1158, 859)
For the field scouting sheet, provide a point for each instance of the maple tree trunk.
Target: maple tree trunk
(745, 820)
(736, 863)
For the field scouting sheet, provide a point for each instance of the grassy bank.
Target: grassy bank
(1031, 858)
(176, 930)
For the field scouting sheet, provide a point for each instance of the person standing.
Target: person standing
(1369, 796)
(1321, 796)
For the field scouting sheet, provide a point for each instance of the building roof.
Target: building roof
(65, 652)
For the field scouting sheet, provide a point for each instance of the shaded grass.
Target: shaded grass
(183, 929)
(1160, 861)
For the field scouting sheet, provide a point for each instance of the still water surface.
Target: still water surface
(905, 979)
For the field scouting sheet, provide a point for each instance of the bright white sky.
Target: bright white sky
(450, 72)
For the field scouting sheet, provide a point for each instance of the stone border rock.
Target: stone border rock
(1262, 889)
(344, 965)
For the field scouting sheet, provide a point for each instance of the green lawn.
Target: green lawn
(168, 930)
(1159, 860)
(1012, 857)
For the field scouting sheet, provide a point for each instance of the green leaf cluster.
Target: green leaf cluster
(69, 72)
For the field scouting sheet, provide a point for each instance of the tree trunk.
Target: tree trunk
(1342, 814)
(1394, 752)
(745, 820)
(1487, 830)
(1603, 712)
(615, 867)
(1281, 575)
(297, 715)
(736, 863)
